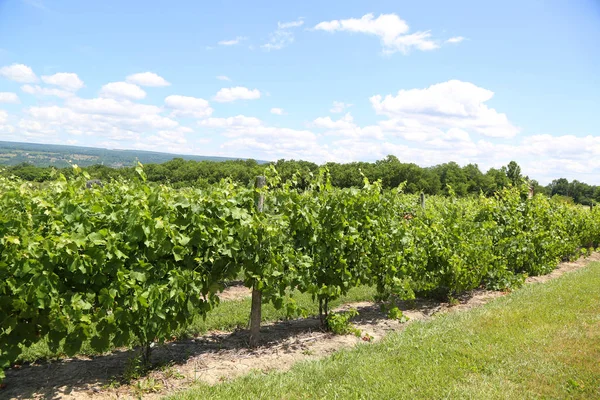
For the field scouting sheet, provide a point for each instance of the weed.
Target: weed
(395, 313)
(453, 301)
(170, 372)
(339, 323)
(145, 386)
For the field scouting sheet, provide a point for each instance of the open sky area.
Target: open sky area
(469, 81)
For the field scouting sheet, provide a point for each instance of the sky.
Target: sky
(430, 82)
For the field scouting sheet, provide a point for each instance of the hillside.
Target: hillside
(43, 155)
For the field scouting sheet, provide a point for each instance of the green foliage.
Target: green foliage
(339, 323)
(395, 313)
(135, 262)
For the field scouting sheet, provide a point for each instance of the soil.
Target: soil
(222, 356)
(235, 291)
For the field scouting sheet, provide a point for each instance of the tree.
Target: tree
(513, 173)
(451, 174)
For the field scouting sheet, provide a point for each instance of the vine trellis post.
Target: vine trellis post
(255, 312)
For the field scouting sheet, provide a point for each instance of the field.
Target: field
(137, 264)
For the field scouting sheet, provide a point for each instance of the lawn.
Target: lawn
(541, 341)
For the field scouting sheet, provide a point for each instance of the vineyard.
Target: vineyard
(133, 262)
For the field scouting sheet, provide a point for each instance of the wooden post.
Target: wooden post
(255, 313)
(530, 193)
(422, 200)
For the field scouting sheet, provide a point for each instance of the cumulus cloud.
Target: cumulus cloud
(122, 90)
(65, 80)
(391, 30)
(232, 42)
(346, 126)
(147, 79)
(447, 121)
(170, 140)
(292, 24)
(226, 95)
(110, 106)
(451, 104)
(339, 107)
(37, 90)
(250, 135)
(8, 97)
(107, 120)
(188, 106)
(283, 35)
(19, 73)
(455, 39)
(239, 121)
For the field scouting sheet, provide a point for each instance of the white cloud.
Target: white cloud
(223, 78)
(167, 138)
(50, 113)
(188, 106)
(37, 90)
(346, 126)
(392, 31)
(65, 80)
(8, 97)
(172, 141)
(292, 24)
(102, 118)
(109, 106)
(147, 79)
(240, 121)
(339, 107)
(35, 126)
(326, 122)
(122, 90)
(282, 36)
(232, 42)
(226, 95)
(455, 39)
(249, 135)
(567, 146)
(451, 104)
(448, 121)
(19, 73)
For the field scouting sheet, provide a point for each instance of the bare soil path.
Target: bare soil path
(220, 356)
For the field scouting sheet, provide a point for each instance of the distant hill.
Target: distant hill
(43, 155)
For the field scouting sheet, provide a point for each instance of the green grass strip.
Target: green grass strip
(542, 341)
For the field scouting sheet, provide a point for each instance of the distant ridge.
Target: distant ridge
(43, 155)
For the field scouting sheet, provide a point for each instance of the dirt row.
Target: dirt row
(221, 356)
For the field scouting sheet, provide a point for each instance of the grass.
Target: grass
(542, 341)
(228, 316)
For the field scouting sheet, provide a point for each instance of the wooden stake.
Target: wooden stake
(255, 313)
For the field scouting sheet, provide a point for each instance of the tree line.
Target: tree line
(439, 179)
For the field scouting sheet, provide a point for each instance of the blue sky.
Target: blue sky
(430, 82)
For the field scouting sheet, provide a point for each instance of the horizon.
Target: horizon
(484, 171)
(429, 83)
